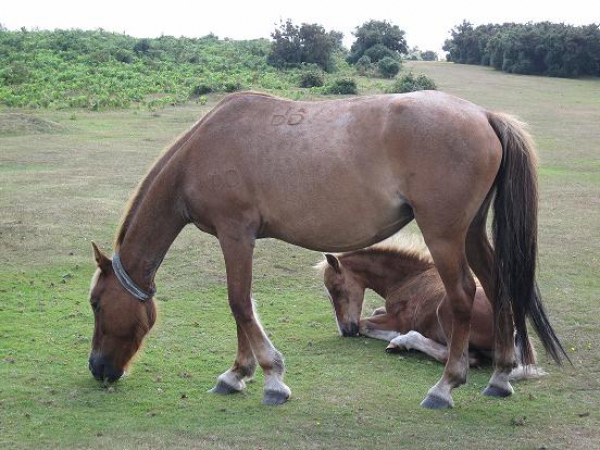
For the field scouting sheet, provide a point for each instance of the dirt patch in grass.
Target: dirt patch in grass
(13, 124)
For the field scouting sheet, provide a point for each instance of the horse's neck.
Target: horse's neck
(384, 272)
(155, 224)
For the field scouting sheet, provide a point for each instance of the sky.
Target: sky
(427, 23)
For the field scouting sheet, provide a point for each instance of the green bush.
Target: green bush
(233, 86)
(363, 65)
(342, 86)
(388, 67)
(410, 83)
(378, 52)
(311, 78)
(202, 89)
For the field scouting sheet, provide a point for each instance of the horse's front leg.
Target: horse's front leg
(244, 366)
(237, 251)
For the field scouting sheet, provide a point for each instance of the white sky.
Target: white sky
(426, 22)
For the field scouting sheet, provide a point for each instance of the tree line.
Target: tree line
(544, 48)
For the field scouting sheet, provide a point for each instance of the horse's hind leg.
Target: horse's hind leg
(481, 259)
(448, 253)
(237, 251)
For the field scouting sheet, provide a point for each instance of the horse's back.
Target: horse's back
(331, 175)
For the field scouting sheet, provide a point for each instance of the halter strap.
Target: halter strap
(128, 284)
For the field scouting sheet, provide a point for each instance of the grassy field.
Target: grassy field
(65, 177)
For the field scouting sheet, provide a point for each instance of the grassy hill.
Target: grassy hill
(99, 70)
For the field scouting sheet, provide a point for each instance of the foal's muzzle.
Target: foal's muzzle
(349, 330)
(102, 369)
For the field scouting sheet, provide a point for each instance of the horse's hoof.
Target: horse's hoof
(435, 402)
(275, 398)
(223, 388)
(498, 392)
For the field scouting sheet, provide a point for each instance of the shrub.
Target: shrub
(363, 65)
(342, 86)
(388, 67)
(411, 83)
(232, 86)
(202, 89)
(311, 78)
(378, 52)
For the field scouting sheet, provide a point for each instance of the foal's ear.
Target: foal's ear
(102, 261)
(333, 262)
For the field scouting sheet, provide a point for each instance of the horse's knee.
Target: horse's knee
(242, 310)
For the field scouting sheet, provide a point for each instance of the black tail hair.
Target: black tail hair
(515, 236)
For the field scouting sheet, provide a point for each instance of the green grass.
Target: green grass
(59, 190)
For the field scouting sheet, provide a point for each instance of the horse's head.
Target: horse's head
(120, 322)
(346, 294)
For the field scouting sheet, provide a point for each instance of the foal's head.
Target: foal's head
(346, 294)
(120, 322)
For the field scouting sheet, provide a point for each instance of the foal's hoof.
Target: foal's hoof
(435, 402)
(498, 392)
(392, 348)
(223, 388)
(275, 397)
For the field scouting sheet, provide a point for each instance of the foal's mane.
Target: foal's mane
(390, 252)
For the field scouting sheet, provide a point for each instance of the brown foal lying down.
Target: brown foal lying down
(417, 314)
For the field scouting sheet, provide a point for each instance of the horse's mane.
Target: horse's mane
(159, 164)
(142, 188)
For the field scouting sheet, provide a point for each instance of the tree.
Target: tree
(309, 44)
(429, 55)
(379, 34)
(543, 48)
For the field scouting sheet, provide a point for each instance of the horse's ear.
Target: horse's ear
(102, 261)
(333, 262)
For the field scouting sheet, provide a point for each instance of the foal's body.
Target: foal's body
(329, 176)
(417, 314)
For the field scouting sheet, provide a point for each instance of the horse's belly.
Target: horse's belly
(332, 226)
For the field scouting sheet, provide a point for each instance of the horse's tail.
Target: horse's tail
(515, 236)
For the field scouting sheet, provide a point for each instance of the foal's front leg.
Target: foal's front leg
(237, 251)
(413, 340)
(379, 326)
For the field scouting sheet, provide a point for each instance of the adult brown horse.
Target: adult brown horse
(335, 176)
(417, 314)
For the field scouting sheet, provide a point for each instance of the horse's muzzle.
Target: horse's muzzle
(102, 369)
(349, 330)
